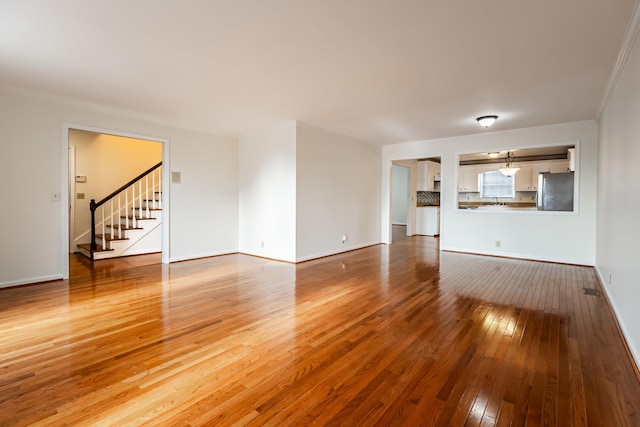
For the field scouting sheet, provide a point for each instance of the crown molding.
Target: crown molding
(114, 111)
(630, 38)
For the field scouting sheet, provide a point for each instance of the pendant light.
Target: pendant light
(509, 169)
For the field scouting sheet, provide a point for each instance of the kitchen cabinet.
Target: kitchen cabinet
(571, 159)
(527, 176)
(428, 175)
(525, 180)
(468, 178)
(428, 221)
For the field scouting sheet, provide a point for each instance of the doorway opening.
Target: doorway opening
(401, 199)
(99, 163)
(415, 187)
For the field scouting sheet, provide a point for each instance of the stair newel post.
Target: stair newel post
(104, 238)
(92, 208)
(146, 183)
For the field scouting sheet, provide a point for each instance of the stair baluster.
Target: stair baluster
(153, 189)
(146, 194)
(134, 221)
(118, 217)
(104, 239)
(111, 219)
(126, 206)
(139, 213)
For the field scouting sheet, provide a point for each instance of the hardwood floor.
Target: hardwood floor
(387, 335)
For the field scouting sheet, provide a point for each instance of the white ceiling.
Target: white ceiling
(385, 71)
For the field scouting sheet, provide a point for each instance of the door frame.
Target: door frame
(166, 199)
(71, 153)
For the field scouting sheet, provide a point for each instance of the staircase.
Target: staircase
(127, 222)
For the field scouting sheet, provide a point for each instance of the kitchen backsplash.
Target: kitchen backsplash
(428, 197)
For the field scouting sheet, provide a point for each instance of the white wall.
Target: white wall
(108, 162)
(33, 159)
(338, 193)
(399, 194)
(618, 228)
(553, 236)
(268, 192)
(204, 205)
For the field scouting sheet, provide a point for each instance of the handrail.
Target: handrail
(119, 190)
(93, 205)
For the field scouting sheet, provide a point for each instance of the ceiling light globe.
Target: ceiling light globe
(486, 121)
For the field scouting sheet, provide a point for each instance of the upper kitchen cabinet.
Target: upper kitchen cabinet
(527, 176)
(525, 180)
(428, 176)
(468, 178)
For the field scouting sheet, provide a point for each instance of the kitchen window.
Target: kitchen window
(495, 184)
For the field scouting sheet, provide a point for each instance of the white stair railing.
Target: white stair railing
(136, 210)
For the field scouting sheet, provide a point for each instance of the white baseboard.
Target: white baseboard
(625, 332)
(201, 255)
(517, 256)
(336, 252)
(30, 281)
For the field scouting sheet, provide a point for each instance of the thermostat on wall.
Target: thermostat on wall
(81, 178)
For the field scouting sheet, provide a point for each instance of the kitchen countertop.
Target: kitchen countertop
(508, 204)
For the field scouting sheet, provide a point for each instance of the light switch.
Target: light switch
(175, 177)
(80, 196)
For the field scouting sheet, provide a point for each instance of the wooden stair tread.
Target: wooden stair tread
(118, 226)
(138, 218)
(87, 247)
(108, 237)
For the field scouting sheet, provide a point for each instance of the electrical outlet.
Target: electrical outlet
(498, 243)
(80, 196)
(345, 239)
(262, 243)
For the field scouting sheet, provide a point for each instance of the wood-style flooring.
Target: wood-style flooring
(388, 335)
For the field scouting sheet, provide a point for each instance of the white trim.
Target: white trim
(513, 255)
(32, 280)
(121, 112)
(72, 195)
(64, 193)
(166, 212)
(625, 332)
(330, 253)
(202, 255)
(631, 34)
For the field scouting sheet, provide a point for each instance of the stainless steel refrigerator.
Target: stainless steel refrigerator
(555, 192)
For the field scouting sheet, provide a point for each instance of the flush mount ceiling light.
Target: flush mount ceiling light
(486, 121)
(509, 169)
